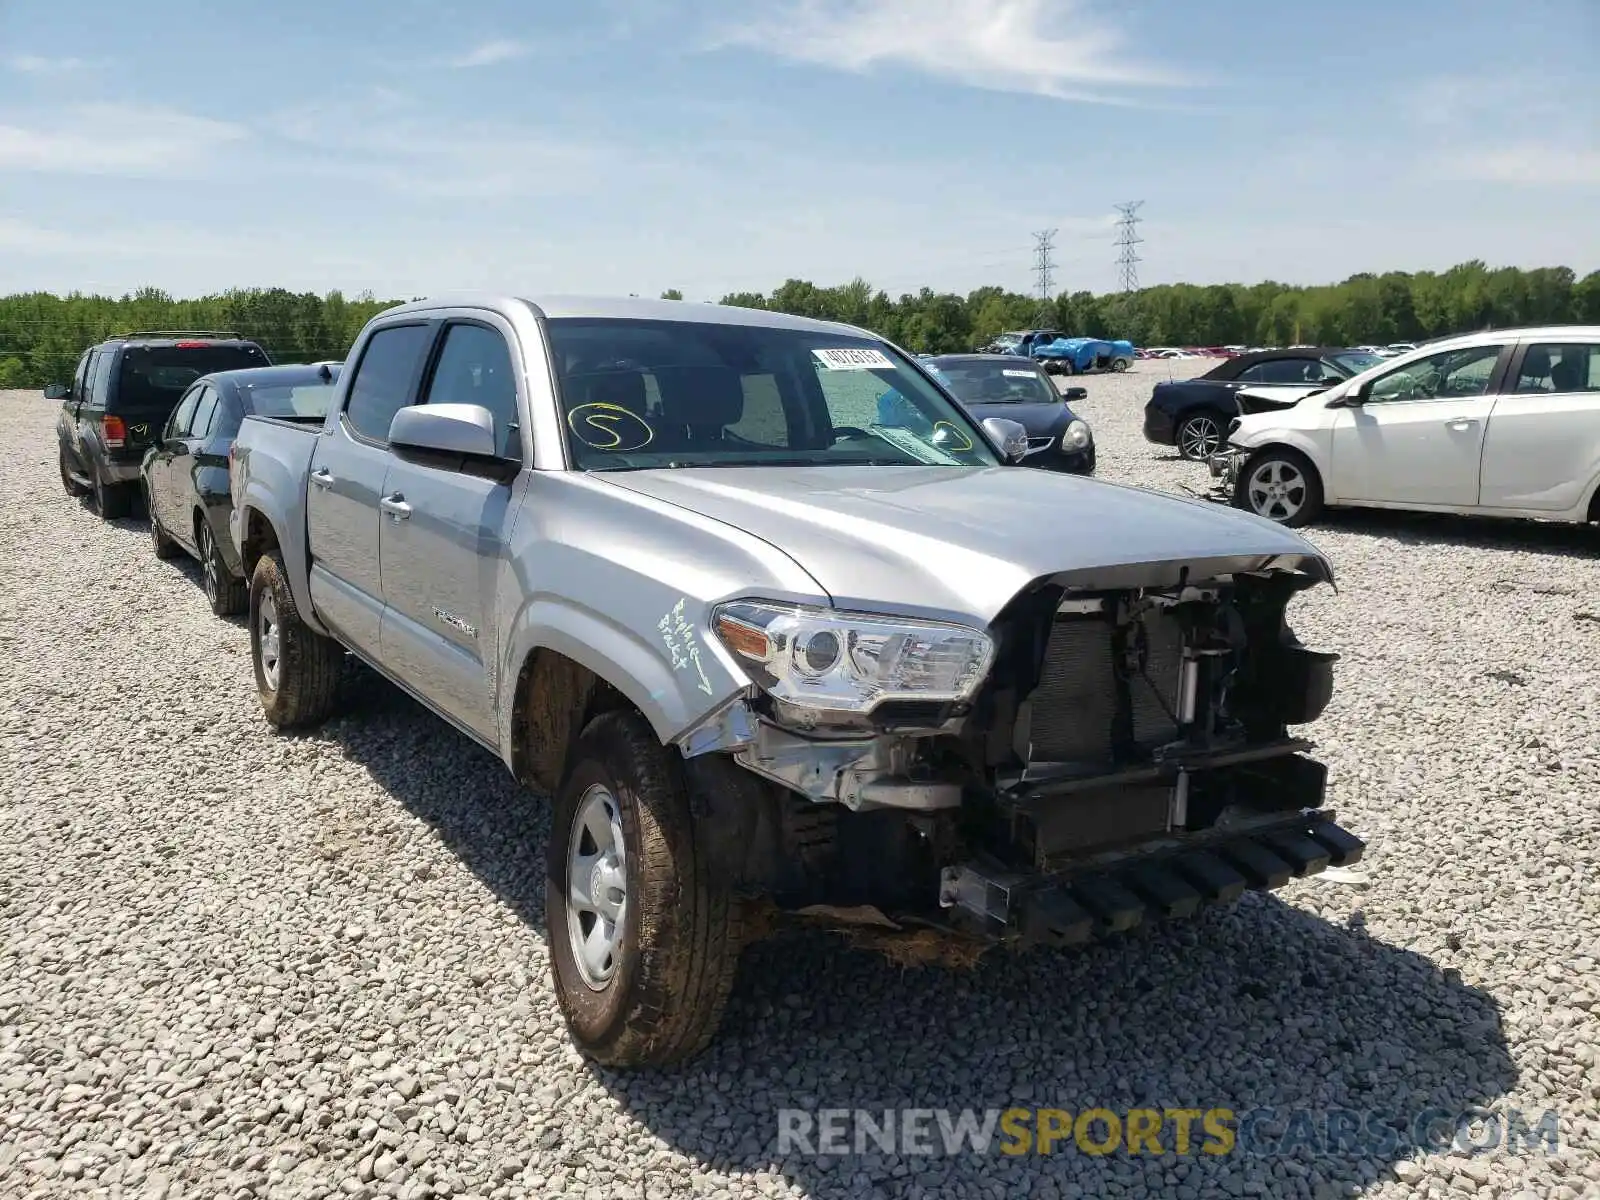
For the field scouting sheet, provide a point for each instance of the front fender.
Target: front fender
(675, 684)
(1253, 442)
(625, 585)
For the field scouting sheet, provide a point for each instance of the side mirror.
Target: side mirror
(464, 429)
(1010, 437)
(1075, 393)
(57, 391)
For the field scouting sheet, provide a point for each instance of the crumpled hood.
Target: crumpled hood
(961, 542)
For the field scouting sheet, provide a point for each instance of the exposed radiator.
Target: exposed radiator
(1091, 706)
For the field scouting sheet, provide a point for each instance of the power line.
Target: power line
(1044, 244)
(1128, 237)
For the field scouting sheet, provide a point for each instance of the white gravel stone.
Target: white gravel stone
(233, 963)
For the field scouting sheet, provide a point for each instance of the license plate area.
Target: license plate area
(1094, 820)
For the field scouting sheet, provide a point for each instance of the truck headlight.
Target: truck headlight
(1076, 436)
(850, 662)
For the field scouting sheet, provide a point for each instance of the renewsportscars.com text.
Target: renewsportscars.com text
(1159, 1131)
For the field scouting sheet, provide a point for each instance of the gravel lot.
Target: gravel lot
(235, 963)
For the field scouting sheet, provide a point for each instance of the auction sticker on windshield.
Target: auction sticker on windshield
(854, 360)
(1010, 374)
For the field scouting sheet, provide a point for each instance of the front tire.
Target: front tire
(1199, 437)
(1120, 364)
(297, 669)
(1282, 486)
(643, 936)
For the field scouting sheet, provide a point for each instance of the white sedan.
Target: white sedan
(1494, 424)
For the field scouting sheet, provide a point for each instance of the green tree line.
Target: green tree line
(41, 335)
(1393, 307)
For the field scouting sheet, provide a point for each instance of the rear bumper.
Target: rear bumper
(1173, 883)
(119, 470)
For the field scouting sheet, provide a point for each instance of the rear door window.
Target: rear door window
(1559, 367)
(178, 426)
(80, 378)
(386, 378)
(99, 376)
(153, 378)
(204, 413)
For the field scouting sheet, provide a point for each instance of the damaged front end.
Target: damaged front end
(1126, 754)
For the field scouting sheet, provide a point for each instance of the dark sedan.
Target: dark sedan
(1002, 385)
(185, 474)
(1194, 414)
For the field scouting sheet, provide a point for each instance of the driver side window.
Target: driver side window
(1448, 375)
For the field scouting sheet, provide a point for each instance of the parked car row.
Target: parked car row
(1505, 423)
(1194, 414)
(764, 605)
(1063, 355)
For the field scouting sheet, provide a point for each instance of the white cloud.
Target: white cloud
(1533, 164)
(113, 139)
(1053, 48)
(385, 140)
(497, 50)
(1477, 131)
(36, 64)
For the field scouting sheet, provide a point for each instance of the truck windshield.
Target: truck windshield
(641, 394)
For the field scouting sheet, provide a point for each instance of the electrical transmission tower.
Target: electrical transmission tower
(1127, 238)
(1044, 244)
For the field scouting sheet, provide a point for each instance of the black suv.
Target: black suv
(120, 397)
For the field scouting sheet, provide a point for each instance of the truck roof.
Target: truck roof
(625, 308)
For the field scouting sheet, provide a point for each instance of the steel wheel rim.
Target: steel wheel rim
(268, 638)
(1201, 437)
(208, 564)
(1277, 490)
(597, 886)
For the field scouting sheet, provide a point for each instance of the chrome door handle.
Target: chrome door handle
(322, 477)
(1460, 423)
(395, 506)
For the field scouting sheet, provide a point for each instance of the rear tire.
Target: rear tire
(644, 947)
(72, 486)
(1120, 364)
(1199, 437)
(226, 593)
(112, 500)
(297, 669)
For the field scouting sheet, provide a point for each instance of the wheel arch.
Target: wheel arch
(1288, 440)
(555, 699)
(260, 538)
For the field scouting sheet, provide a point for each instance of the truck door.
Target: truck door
(444, 535)
(347, 473)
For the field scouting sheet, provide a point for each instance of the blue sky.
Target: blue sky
(634, 145)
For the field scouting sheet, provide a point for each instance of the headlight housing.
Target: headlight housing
(1076, 436)
(843, 662)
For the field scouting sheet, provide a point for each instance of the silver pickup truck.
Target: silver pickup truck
(779, 656)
